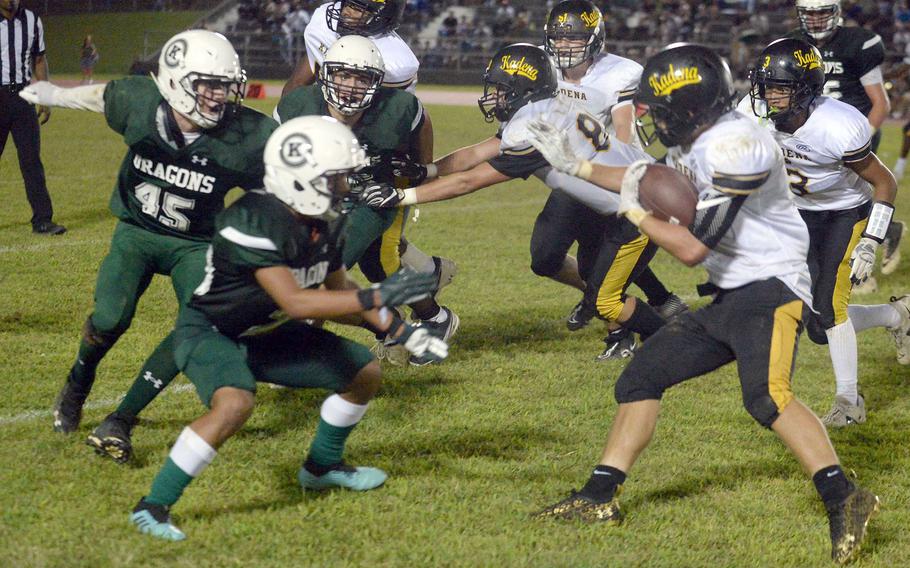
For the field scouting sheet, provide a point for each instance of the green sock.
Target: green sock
(87, 360)
(328, 444)
(157, 373)
(169, 484)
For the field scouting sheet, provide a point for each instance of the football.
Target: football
(668, 194)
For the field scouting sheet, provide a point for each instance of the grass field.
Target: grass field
(513, 421)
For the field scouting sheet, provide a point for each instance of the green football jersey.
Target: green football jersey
(259, 231)
(388, 127)
(174, 191)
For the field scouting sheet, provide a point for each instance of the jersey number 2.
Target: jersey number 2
(148, 194)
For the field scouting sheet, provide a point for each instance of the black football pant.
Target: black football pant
(17, 117)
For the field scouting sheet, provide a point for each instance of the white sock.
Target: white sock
(879, 315)
(441, 317)
(899, 167)
(341, 413)
(842, 345)
(191, 453)
(417, 259)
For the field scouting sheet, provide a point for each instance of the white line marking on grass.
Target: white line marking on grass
(29, 415)
(51, 245)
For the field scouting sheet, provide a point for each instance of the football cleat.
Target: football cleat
(847, 523)
(445, 272)
(673, 307)
(343, 475)
(583, 508)
(901, 333)
(155, 520)
(580, 317)
(844, 414)
(68, 408)
(870, 286)
(620, 344)
(443, 330)
(891, 252)
(111, 438)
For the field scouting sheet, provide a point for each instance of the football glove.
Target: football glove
(405, 287)
(403, 167)
(862, 260)
(381, 196)
(629, 206)
(553, 144)
(41, 93)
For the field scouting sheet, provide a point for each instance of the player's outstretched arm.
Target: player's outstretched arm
(45, 93)
(554, 146)
(384, 196)
(468, 157)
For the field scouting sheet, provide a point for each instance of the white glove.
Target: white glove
(862, 260)
(424, 345)
(554, 145)
(41, 93)
(629, 206)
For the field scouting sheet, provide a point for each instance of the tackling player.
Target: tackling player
(853, 58)
(519, 84)
(843, 193)
(750, 238)
(189, 142)
(271, 252)
(390, 124)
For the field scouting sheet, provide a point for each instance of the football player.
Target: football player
(189, 142)
(843, 193)
(271, 252)
(753, 243)
(602, 84)
(519, 84)
(377, 20)
(390, 123)
(853, 58)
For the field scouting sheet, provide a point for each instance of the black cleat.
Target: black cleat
(112, 437)
(443, 330)
(673, 307)
(847, 523)
(620, 344)
(68, 407)
(583, 508)
(581, 316)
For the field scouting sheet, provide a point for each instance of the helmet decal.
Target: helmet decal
(665, 83)
(519, 67)
(297, 150)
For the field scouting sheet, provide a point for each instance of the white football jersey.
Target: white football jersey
(400, 62)
(589, 140)
(610, 81)
(768, 238)
(815, 155)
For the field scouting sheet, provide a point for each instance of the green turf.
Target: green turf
(119, 37)
(514, 420)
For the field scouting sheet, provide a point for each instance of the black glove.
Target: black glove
(381, 196)
(404, 167)
(403, 287)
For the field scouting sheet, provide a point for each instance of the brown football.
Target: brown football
(668, 195)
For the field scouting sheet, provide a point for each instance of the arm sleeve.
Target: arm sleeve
(86, 97)
(711, 224)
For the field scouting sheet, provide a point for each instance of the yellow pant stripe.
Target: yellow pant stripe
(842, 286)
(389, 257)
(783, 346)
(609, 297)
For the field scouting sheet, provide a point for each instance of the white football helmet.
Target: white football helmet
(351, 73)
(818, 18)
(199, 75)
(301, 155)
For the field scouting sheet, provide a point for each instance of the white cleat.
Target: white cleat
(901, 333)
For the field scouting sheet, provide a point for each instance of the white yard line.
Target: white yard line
(30, 415)
(59, 242)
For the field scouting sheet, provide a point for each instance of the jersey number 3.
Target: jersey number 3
(149, 195)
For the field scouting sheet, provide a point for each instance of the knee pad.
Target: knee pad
(633, 387)
(544, 264)
(815, 329)
(98, 338)
(762, 408)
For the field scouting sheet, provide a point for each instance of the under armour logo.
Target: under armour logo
(151, 378)
(201, 161)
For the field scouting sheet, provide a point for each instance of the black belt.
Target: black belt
(13, 88)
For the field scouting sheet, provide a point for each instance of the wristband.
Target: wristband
(432, 170)
(367, 298)
(585, 170)
(409, 196)
(879, 221)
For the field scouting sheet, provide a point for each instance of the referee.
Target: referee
(21, 52)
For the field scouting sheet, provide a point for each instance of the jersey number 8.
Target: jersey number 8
(594, 131)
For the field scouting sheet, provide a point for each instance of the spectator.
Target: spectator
(88, 59)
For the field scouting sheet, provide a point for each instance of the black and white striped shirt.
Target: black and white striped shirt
(21, 41)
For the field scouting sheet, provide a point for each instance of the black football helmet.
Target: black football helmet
(791, 64)
(683, 88)
(518, 74)
(574, 20)
(364, 17)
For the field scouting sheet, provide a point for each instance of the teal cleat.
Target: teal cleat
(343, 475)
(155, 520)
